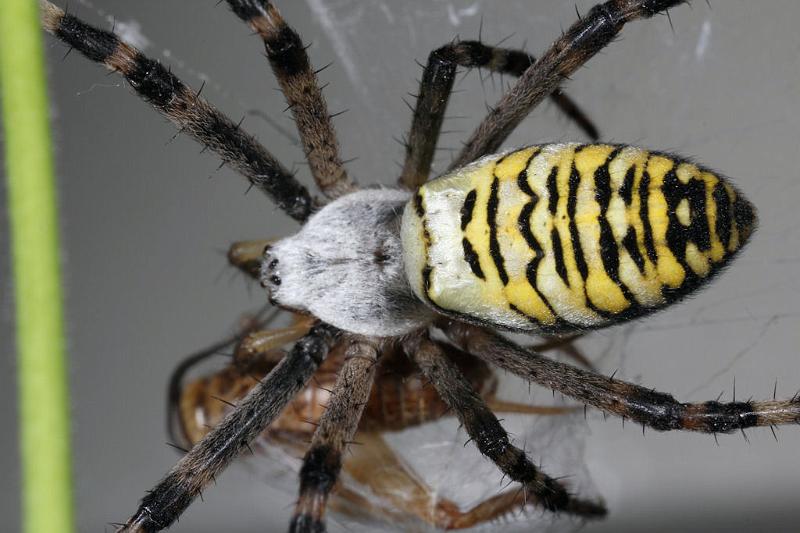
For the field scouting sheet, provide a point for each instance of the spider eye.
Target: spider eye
(269, 277)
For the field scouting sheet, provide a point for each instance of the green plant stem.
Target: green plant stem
(42, 379)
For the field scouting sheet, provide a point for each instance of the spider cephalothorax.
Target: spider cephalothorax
(554, 238)
(345, 266)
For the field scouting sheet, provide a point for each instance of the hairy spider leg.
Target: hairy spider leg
(162, 505)
(298, 81)
(574, 48)
(323, 461)
(436, 87)
(488, 434)
(184, 108)
(648, 407)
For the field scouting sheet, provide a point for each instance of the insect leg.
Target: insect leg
(184, 108)
(644, 406)
(489, 436)
(323, 461)
(399, 494)
(262, 345)
(166, 501)
(574, 48)
(436, 87)
(289, 61)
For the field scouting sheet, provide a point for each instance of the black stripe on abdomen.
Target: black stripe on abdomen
(552, 190)
(467, 208)
(724, 223)
(632, 246)
(558, 256)
(644, 216)
(609, 251)
(471, 257)
(491, 221)
(572, 204)
(524, 226)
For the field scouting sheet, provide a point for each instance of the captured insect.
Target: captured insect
(546, 239)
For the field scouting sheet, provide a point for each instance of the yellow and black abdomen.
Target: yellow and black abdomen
(565, 236)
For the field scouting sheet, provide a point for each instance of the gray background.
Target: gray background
(144, 228)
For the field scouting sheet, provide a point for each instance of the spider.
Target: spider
(405, 279)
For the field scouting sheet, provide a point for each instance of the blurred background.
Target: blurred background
(146, 221)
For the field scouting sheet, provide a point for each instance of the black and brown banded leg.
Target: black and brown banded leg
(251, 324)
(162, 505)
(491, 439)
(575, 47)
(437, 85)
(650, 408)
(323, 461)
(184, 108)
(289, 61)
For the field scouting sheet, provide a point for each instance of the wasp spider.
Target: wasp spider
(547, 239)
